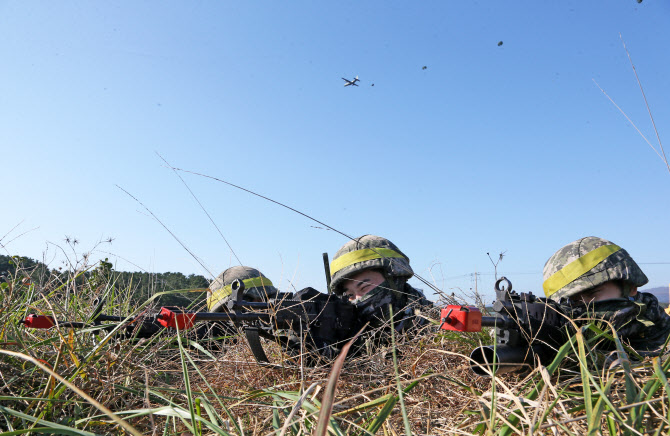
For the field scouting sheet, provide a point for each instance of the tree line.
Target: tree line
(139, 286)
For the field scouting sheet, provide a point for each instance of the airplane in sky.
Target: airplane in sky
(351, 82)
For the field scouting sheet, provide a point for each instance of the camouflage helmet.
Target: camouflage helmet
(368, 252)
(587, 263)
(256, 286)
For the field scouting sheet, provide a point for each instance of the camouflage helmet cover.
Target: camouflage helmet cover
(256, 286)
(587, 263)
(368, 252)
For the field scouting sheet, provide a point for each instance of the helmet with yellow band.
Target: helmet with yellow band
(257, 287)
(586, 263)
(368, 252)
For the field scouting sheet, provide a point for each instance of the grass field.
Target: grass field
(72, 381)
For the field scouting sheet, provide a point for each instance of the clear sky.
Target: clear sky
(490, 148)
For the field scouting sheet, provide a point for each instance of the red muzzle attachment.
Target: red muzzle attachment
(461, 319)
(172, 317)
(38, 321)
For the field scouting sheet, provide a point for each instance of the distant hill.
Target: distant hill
(661, 293)
(141, 285)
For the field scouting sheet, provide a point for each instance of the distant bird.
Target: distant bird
(499, 43)
(639, 1)
(372, 84)
(424, 67)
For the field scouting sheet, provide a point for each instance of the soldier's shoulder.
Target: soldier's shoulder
(310, 293)
(418, 295)
(650, 300)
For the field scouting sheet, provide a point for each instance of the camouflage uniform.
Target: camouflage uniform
(373, 307)
(590, 262)
(639, 321)
(374, 252)
(318, 350)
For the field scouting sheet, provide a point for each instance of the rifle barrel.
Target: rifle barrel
(110, 318)
(175, 317)
(231, 316)
(498, 321)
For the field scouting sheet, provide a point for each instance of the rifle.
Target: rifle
(138, 327)
(324, 321)
(527, 328)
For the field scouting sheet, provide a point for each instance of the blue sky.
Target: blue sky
(509, 148)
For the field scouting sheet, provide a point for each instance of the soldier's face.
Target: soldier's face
(361, 283)
(606, 291)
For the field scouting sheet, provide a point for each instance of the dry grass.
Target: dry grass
(144, 382)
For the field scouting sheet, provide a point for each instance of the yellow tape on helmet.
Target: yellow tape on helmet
(360, 256)
(221, 293)
(577, 268)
